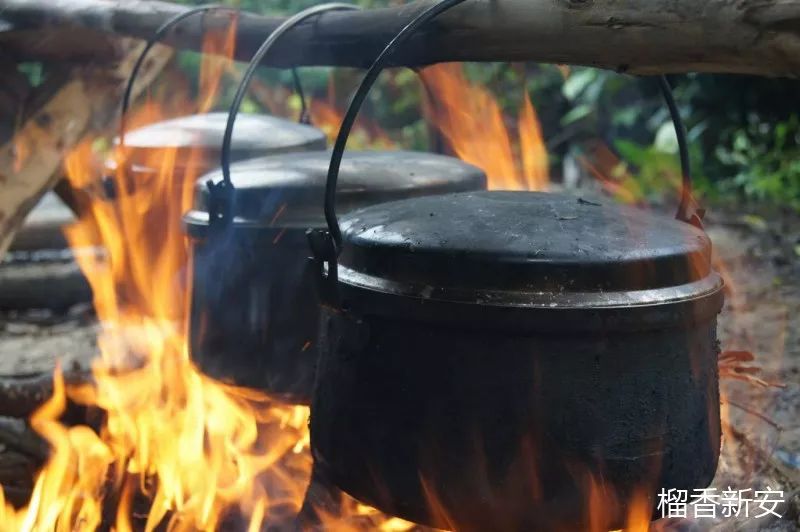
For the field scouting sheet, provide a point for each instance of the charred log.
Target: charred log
(17, 435)
(21, 396)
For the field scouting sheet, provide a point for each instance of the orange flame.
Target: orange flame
(175, 449)
(201, 452)
(218, 49)
(324, 114)
(471, 121)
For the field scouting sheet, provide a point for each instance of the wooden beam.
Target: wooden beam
(30, 162)
(637, 36)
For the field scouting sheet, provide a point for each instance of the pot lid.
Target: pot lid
(253, 135)
(536, 244)
(288, 190)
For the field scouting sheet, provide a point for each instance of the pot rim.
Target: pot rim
(520, 312)
(562, 299)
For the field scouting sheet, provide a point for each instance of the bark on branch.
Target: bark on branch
(637, 36)
(30, 161)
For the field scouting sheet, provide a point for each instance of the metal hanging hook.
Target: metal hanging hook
(688, 210)
(152, 41)
(221, 194)
(326, 245)
(334, 233)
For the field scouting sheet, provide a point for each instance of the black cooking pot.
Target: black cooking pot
(493, 353)
(513, 361)
(254, 309)
(197, 141)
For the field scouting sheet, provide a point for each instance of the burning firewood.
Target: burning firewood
(21, 395)
(16, 434)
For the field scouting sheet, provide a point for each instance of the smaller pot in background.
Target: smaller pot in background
(197, 141)
(255, 308)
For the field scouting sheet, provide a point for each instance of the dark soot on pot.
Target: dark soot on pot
(255, 309)
(497, 353)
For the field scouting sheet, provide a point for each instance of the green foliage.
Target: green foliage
(765, 161)
(744, 131)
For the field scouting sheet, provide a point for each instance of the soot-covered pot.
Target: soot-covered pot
(255, 309)
(197, 139)
(493, 355)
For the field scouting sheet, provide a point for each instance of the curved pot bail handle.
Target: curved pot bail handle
(221, 195)
(688, 209)
(152, 41)
(326, 245)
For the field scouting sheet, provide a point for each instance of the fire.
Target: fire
(603, 504)
(366, 133)
(324, 113)
(175, 448)
(472, 122)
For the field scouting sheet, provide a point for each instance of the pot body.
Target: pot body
(255, 308)
(264, 302)
(471, 417)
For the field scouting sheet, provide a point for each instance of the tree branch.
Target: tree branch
(30, 161)
(638, 36)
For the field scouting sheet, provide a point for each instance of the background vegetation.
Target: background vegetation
(744, 131)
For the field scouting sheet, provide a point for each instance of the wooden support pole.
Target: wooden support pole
(30, 162)
(636, 36)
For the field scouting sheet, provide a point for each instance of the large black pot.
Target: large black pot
(254, 308)
(498, 360)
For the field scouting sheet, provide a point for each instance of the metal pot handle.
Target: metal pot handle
(325, 245)
(109, 188)
(155, 38)
(221, 195)
(152, 41)
(688, 209)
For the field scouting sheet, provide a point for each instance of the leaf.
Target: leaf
(626, 117)
(631, 152)
(755, 222)
(249, 106)
(577, 82)
(576, 113)
(666, 141)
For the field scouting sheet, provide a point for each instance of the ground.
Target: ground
(760, 260)
(759, 257)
